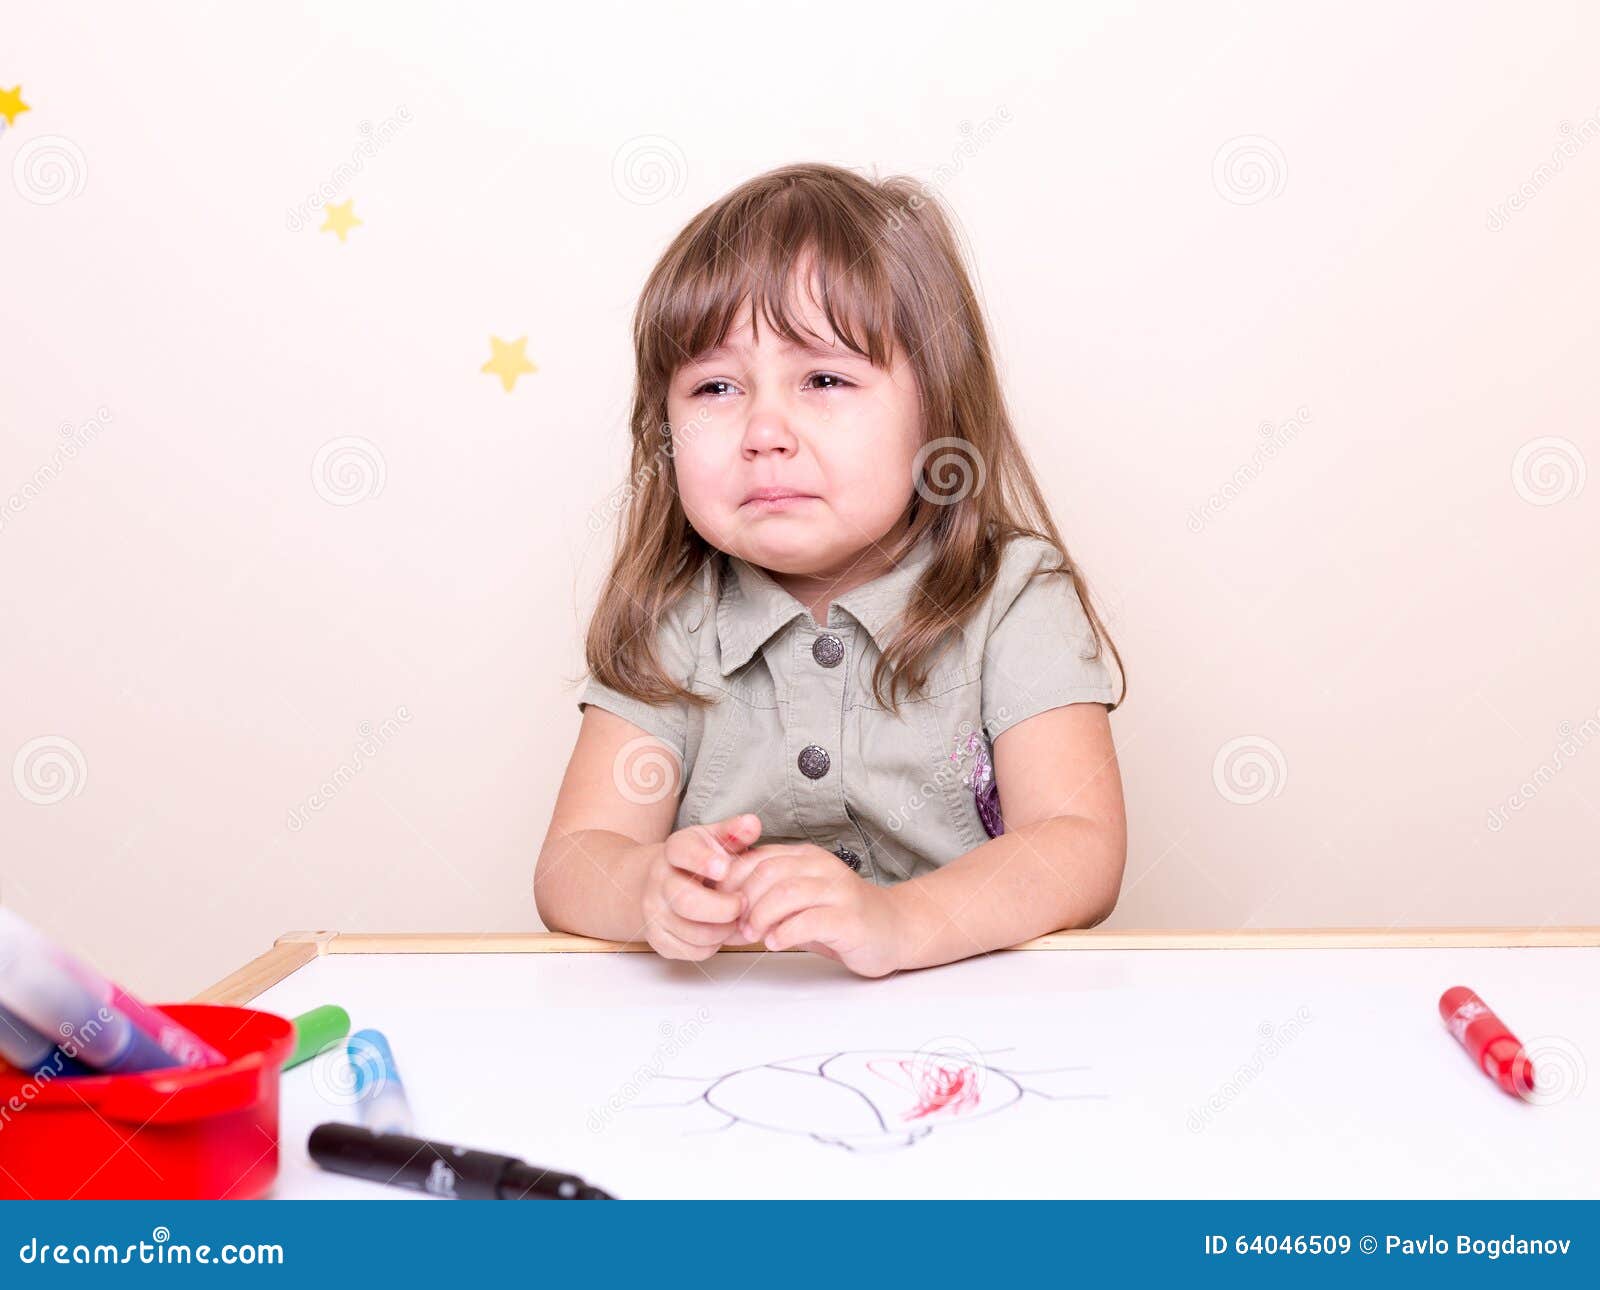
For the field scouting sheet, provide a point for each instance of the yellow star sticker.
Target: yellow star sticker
(11, 104)
(509, 362)
(341, 219)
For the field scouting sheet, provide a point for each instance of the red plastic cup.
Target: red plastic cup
(183, 1133)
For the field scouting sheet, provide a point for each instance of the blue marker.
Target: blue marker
(380, 1096)
(33, 1053)
(52, 1002)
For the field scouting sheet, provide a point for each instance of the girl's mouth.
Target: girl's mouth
(778, 502)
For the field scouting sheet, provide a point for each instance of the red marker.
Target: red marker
(1495, 1049)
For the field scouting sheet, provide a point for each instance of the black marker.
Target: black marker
(440, 1169)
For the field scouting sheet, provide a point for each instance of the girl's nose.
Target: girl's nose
(768, 430)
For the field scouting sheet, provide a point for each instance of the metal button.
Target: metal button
(813, 761)
(848, 856)
(828, 650)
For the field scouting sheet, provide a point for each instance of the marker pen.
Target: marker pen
(439, 1168)
(317, 1030)
(1497, 1052)
(34, 1054)
(52, 977)
(55, 1003)
(380, 1096)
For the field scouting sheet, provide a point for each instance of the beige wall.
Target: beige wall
(1267, 237)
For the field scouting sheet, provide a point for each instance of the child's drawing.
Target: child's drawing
(870, 1099)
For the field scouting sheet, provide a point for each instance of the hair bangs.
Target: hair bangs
(756, 262)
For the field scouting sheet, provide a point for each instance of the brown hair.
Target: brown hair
(889, 272)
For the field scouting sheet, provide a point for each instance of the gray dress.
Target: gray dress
(796, 738)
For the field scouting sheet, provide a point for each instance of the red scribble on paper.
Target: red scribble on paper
(869, 1099)
(939, 1086)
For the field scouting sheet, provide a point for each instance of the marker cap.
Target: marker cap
(316, 1030)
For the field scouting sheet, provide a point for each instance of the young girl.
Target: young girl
(847, 693)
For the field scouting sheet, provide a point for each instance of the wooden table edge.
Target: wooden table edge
(293, 950)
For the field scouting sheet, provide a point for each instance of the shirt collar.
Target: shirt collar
(752, 606)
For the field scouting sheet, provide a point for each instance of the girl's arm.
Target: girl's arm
(590, 873)
(1058, 864)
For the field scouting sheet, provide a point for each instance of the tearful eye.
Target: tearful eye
(717, 387)
(838, 381)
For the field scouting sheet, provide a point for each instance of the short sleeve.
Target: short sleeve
(1040, 652)
(668, 722)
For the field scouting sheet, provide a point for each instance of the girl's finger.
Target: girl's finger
(735, 833)
(786, 898)
(747, 863)
(697, 855)
(693, 932)
(772, 870)
(793, 862)
(744, 827)
(689, 899)
(817, 925)
(711, 847)
(671, 946)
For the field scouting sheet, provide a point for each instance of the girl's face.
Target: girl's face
(821, 422)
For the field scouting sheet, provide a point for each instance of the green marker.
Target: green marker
(317, 1030)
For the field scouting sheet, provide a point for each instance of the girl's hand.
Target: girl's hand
(685, 917)
(800, 896)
